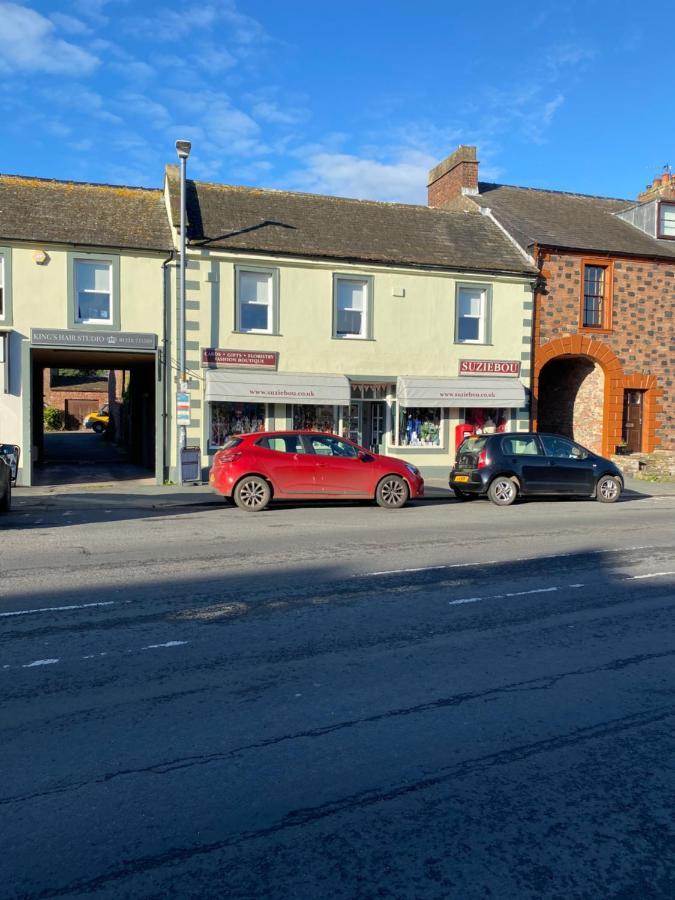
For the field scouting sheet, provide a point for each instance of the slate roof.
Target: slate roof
(310, 225)
(71, 212)
(571, 221)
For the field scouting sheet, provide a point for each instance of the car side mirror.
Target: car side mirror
(365, 457)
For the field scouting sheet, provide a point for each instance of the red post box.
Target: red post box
(461, 431)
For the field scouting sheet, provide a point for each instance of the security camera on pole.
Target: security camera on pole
(182, 398)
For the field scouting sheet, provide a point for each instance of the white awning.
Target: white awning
(490, 392)
(276, 387)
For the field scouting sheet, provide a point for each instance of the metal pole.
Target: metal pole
(182, 376)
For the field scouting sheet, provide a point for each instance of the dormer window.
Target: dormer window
(666, 220)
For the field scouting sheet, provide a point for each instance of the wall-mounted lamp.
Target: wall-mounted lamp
(41, 257)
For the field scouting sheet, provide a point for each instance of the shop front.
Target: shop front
(426, 418)
(435, 414)
(240, 402)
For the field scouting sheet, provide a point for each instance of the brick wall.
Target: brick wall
(641, 339)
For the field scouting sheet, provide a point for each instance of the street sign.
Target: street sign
(182, 408)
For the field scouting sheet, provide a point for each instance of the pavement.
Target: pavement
(142, 493)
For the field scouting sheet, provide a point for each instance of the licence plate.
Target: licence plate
(461, 478)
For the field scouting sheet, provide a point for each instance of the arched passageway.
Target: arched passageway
(571, 399)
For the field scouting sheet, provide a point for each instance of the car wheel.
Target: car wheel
(503, 491)
(99, 427)
(392, 492)
(463, 495)
(608, 489)
(252, 493)
(6, 501)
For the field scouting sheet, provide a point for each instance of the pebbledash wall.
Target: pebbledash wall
(638, 341)
(412, 335)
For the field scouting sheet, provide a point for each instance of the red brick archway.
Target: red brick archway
(615, 382)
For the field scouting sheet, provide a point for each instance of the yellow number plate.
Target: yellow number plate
(461, 478)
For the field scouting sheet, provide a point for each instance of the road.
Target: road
(447, 701)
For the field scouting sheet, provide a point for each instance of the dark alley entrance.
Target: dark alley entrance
(122, 448)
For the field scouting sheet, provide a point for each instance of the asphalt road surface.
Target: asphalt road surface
(447, 701)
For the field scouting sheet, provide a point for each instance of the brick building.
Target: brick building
(603, 350)
(74, 396)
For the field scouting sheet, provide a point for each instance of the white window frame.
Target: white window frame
(484, 319)
(366, 332)
(662, 233)
(3, 290)
(272, 304)
(80, 320)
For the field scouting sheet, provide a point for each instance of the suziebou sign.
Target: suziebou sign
(489, 367)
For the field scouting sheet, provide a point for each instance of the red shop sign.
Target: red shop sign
(241, 359)
(489, 367)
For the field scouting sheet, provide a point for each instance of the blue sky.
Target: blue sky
(356, 98)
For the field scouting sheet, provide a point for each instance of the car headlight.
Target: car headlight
(412, 469)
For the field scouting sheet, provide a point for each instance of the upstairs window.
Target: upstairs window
(93, 292)
(667, 220)
(596, 309)
(256, 301)
(472, 324)
(2, 286)
(352, 307)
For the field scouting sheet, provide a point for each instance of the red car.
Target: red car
(251, 469)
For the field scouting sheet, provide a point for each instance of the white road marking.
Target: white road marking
(495, 562)
(651, 575)
(28, 612)
(168, 644)
(547, 590)
(40, 662)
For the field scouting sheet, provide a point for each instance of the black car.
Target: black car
(505, 466)
(5, 485)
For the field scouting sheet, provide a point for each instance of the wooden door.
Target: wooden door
(633, 405)
(77, 409)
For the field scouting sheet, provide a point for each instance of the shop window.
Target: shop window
(256, 300)
(352, 304)
(308, 417)
(667, 221)
(473, 308)
(596, 298)
(234, 418)
(419, 427)
(487, 421)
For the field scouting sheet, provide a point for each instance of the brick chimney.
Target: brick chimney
(661, 188)
(454, 177)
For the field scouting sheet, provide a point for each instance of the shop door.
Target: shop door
(372, 432)
(633, 404)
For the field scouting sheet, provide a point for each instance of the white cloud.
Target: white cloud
(69, 24)
(268, 111)
(29, 44)
(402, 179)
